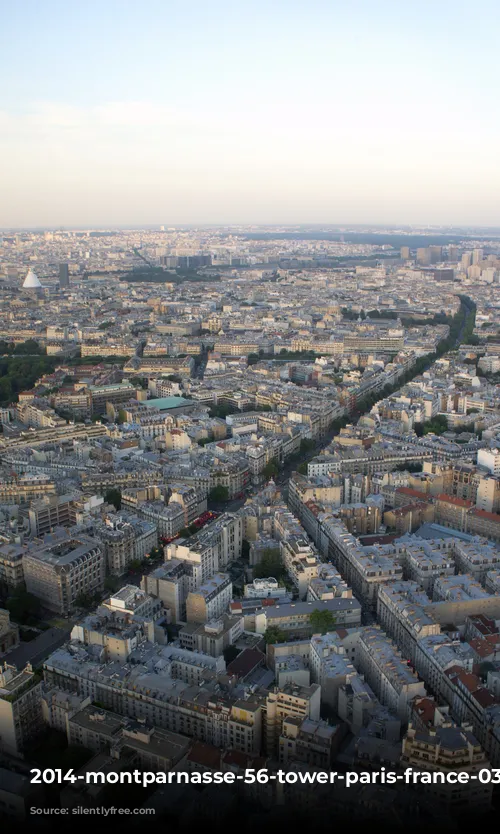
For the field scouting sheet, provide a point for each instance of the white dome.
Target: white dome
(31, 281)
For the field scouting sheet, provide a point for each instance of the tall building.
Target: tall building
(424, 256)
(405, 253)
(490, 459)
(63, 276)
(436, 254)
(466, 260)
(477, 256)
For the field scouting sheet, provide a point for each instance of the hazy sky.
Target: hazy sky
(153, 111)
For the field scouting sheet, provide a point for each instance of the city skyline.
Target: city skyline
(290, 114)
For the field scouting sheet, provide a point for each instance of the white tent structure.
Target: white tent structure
(31, 282)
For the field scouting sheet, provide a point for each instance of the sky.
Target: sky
(120, 112)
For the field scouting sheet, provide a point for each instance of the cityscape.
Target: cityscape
(249, 416)
(250, 509)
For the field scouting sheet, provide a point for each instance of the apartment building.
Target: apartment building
(424, 561)
(9, 633)
(402, 613)
(124, 541)
(294, 617)
(62, 568)
(115, 393)
(331, 663)
(482, 523)
(476, 557)
(446, 749)
(11, 565)
(21, 720)
(26, 488)
(172, 582)
(208, 713)
(211, 637)
(313, 743)
(264, 588)
(386, 671)
(211, 600)
(490, 460)
(363, 568)
(301, 562)
(149, 747)
(328, 584)
(50, 512)
(293, 701)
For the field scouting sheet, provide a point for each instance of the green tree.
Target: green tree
(307, 445)
(270, 565)
(112, 583)
(322, 621)
(230, 653)
(438, 425)
(218, 494)
(273, 634)
(270, 469)
(85, 601)
(24, 607)
(113, 496)
(156, 553)
(122, 417)
(135, 565)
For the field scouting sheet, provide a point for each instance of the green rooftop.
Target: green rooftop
(165, 403)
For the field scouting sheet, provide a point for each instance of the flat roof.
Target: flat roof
(164, 403)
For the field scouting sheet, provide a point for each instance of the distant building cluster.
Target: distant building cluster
(250, 508)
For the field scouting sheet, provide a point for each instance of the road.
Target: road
(38, 649)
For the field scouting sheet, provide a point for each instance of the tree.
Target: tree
(84, 601)
(245, 549)
(438, 425)
(122, 417)
(219, 493)
(184, 533)
(270, 469)
(273, 634)
(322, 621)
(307, 445)
(269, 565)
(230, 653)
(112, 583)
(302, 468)
(484, 668)
(156, 553)
(24, 607)
(113, 496)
